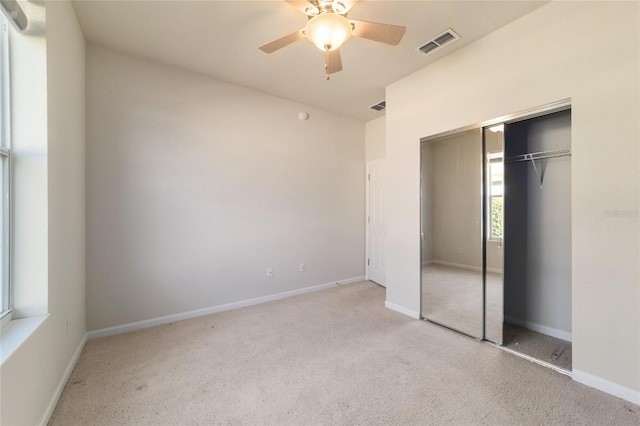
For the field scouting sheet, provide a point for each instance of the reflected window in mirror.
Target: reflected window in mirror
(496, 178)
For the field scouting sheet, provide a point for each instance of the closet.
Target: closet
(496, 233)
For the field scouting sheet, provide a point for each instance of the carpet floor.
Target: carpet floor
(453, 297)
(332, 357)
(540, 346)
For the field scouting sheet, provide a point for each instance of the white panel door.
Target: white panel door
(377, 219)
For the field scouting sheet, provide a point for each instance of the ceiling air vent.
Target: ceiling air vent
(446, 37)
(379, 106)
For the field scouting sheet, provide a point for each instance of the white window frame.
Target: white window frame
(5, 157)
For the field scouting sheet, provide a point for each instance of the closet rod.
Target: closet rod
(533, 156)
(538, 155)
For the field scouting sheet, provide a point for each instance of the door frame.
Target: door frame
(550, 108)
(367, 178)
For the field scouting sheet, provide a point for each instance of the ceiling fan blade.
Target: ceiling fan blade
(274, 45)
(383, 33)
(333, 61)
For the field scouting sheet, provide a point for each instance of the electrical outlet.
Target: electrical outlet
(459, 249)
(303, 267)
(269, 272)
(68, 325)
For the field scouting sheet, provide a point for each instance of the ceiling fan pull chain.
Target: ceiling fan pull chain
(327, 63)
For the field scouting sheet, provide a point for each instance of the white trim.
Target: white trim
(544, 329)
(401, 309)
(462, 266)
(611, 388)
(139, 325)
(328, 285)
(366, 219)
(62, 383)
(427, 262)
(526, 114)
(16, 332)
(5, 146)
(5, 86)
(7, 318)
(458, 265)
(367, 215)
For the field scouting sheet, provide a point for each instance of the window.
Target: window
(496, 179)
(5, 165)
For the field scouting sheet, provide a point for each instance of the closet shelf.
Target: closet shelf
(533, 156)
(538, 155)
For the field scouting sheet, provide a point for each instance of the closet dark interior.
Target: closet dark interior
(537, 238)
(496, 234)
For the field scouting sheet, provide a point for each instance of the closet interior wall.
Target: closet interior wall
(537, 227)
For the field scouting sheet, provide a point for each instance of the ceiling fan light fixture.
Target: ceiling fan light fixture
(311, 11)
(328, 31)
(339, 7)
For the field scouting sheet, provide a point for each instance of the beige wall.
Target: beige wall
(457, 209)
(562, 50)
(34, 375)
(375, 135)
(195, 187)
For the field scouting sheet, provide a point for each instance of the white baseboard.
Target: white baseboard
(549, 331)
(139, 325)
(62, 383)
(460, 266)
(457, 265)
(341, 282)
(401, 309)
(607, 386)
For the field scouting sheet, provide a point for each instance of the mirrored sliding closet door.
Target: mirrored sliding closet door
(451, 231)
(496, 232)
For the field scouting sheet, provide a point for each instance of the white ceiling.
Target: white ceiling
(221, 38)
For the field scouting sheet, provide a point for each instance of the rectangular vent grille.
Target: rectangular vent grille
(446, 37)
(429, 47)
(379, 106)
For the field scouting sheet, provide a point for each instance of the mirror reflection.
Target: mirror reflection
(451, 231)
(494, 241)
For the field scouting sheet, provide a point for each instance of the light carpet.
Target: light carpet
(453, 297)
(330, 357)
(540, 346)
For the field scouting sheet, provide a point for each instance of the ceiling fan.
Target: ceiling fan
(328, 28)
